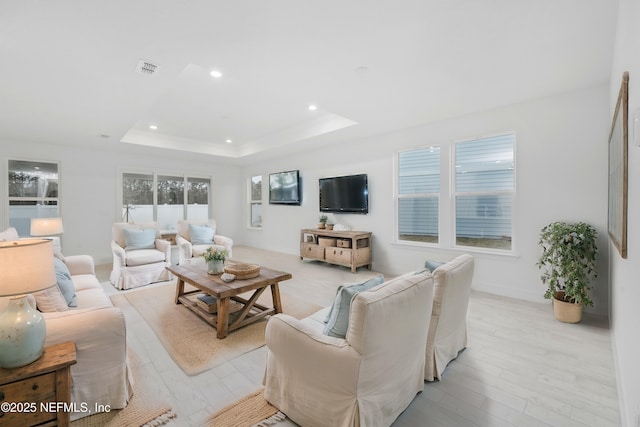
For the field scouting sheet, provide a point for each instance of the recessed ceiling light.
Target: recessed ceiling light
(216, 74)
(228, 141)
(153, 127)
(313, 107)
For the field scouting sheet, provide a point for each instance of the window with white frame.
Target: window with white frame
(418, 195)
(164, 198)
(33, 193)
(255, 201)
(484, 192)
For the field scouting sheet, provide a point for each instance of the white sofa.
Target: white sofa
(448, 326)
(188, 251)
(138, 267)
(100, 378)
(365, 379)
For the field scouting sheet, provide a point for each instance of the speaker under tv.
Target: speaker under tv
(344, 194)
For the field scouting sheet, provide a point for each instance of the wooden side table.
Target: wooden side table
(39, 393)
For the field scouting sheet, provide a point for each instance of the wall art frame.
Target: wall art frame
(618, 170)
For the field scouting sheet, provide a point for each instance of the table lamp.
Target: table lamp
(26, 266)
(41, 227)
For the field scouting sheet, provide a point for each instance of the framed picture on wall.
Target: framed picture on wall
(618, 170)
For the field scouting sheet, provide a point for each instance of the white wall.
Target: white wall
(88, 189)
(625, 288)
(561, 156)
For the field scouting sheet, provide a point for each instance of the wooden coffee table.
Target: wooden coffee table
(196, 275)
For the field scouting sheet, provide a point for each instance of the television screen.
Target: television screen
(344, 194)
(284, 188)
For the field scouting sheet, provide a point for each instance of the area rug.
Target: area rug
(189, 340)
(144, 407)
(252, 410)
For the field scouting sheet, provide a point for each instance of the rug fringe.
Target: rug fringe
(161, 419)
(278, 416)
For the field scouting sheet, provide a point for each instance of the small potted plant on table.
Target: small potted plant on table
(214, 257)
(322, 221)
(568, 264)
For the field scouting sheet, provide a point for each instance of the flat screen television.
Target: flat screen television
(285, 188)
(348, 194)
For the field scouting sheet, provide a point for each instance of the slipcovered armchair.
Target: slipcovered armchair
(139, 255)
(366, 378)
(195, 237)
(448, 326)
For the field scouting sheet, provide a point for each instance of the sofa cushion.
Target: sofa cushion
(139, 239)
(63, 279)
(93, 298)
(9, 234)
(144, 256)
(201, 234)
(85, 281)
(338, 318)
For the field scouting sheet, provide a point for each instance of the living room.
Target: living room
(561, 174)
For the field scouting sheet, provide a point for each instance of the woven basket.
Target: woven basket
(243, 271)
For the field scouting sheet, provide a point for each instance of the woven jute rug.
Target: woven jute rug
(189, 340)
(144, 407)
(252, 410)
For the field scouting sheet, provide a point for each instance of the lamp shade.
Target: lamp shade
(46, 226)
(26, 266)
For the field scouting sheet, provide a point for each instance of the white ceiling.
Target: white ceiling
(67, 68)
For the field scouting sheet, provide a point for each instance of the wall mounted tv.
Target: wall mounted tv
(347, 194)
(285, 188)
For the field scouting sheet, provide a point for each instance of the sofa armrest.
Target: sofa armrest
(119, 255)
(227, 242)
(80, 264)
(184, 247)
(164, 246)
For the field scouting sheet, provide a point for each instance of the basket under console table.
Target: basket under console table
(347, 248)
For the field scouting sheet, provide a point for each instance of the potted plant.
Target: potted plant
(329, 225)
(214, 257)
(322, 221)
(568, 264)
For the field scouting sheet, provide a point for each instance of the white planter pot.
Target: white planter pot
(215, 266)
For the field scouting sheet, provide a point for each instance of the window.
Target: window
(33, 193)
(484, 187)
(164, 198)
(255, 202)
(418, 194)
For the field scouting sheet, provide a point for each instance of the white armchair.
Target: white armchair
(448, 327)
(365, 379)
(189, 250)
(138, 265)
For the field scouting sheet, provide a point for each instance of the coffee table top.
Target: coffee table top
(197, 274)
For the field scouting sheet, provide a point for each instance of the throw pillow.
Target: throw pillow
(337, 322)
(63, 279)
(432, 265)
(139, 239)
(50, 300)
(9, 234)
(201, 234)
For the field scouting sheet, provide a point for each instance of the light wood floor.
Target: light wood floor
(521, 367)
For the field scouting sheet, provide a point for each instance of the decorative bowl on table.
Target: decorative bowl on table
(243, 271)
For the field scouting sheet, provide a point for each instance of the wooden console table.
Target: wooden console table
(47, 381)
(347, 248)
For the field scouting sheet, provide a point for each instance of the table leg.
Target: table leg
(223, 318)
(179, 290)
(275, 295)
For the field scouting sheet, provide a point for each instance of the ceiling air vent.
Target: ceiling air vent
(146, 67)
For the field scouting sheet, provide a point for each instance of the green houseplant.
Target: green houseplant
(322, 221)
(568, 264)
(214, 258)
